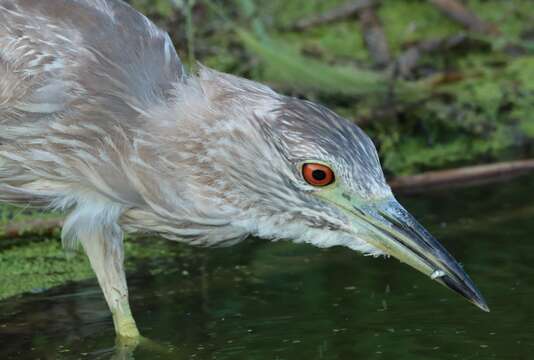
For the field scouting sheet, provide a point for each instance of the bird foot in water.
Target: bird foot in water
(126, 346)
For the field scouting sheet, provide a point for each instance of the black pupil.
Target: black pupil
(319, 175)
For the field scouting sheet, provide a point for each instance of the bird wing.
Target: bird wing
(67, 57)
(76, 79)
(88, 90)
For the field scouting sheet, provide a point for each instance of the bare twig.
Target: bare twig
(374, 37)
(461, 14)
(408, 60)
(341, 12)
(465, 175)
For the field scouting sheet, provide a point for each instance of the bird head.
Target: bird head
(296, 170)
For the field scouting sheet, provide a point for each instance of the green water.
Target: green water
(263, 300)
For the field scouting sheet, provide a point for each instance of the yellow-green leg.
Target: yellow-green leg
(105, 250)
(124, 322)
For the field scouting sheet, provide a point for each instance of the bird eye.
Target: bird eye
(317, 174)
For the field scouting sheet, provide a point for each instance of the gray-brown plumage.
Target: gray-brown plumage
(99, 119)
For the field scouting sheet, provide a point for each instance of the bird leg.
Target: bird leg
(105, 250)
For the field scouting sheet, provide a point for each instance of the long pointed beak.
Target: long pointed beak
(408, 241)
(390, 228)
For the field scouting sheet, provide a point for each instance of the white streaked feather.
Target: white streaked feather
(143, 145)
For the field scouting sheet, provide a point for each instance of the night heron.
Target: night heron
(99, 119)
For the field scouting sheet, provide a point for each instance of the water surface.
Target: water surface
(262, 300)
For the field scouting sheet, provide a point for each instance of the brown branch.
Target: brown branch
(461, 14)
(39, 226)
(465, 175)
(374, 37)
(341, 12)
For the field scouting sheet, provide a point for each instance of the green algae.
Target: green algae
(35, 265)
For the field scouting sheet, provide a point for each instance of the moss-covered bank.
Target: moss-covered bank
(34, 265)
(469, 103)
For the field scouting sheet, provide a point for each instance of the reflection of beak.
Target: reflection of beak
(390, 228)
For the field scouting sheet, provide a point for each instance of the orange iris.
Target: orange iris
(317, 174)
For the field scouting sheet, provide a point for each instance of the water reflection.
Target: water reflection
(282, 301)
